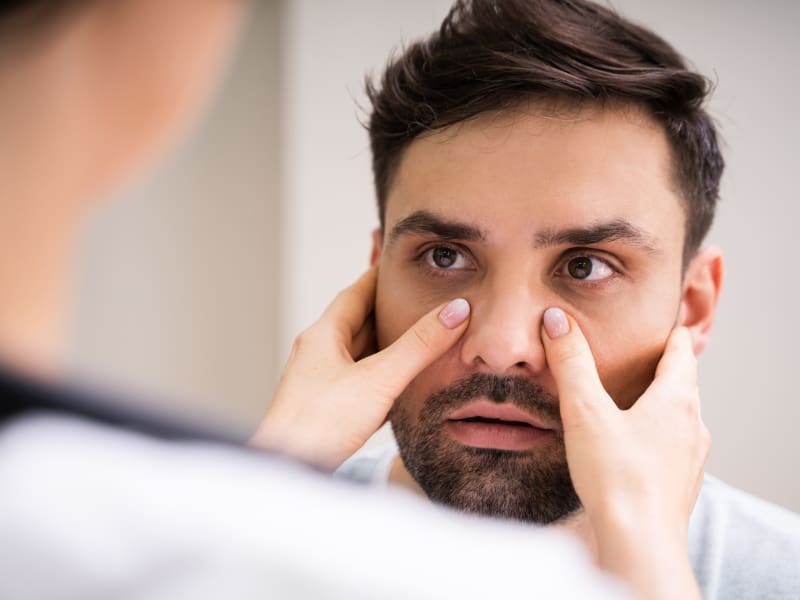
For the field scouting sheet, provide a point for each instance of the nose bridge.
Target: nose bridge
(503, 334)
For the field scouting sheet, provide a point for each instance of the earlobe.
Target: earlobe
(701, 288)
(377, 244)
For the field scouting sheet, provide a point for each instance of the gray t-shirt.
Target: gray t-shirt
(741, 547)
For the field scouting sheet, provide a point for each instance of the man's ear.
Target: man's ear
(377, 244)
(701, 286)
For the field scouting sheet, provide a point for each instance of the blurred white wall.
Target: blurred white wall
(177, 283)
(198, 281)
(328, 193)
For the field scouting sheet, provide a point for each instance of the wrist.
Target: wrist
(320, 447)
(646, 551)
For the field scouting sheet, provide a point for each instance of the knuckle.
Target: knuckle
(301, 340)
(682, 398)
(692, 408)
(705, 437)
(421, 339)
(692, 403)
(342, 295)
(305, 340)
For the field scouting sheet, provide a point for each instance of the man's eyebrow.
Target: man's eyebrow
(424, 222)
(596, 233)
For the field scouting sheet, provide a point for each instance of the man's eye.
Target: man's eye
(445, 257)
(587, 268)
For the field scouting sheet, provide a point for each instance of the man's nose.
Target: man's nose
(503, 335)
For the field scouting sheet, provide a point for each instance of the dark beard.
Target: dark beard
(533, 486)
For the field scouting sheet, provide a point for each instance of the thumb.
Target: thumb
(571, 362)
(396, 365)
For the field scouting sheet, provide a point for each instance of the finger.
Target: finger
(364, 342)
(571, 362)
(431, 336)
(675, 381)
(352, 306)
(678, 363)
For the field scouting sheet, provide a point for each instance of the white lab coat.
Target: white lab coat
(88, 511)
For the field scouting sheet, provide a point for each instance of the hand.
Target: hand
(328, 403)
(637, 472)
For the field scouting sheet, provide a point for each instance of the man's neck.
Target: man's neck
(578, 525)
(399, 476)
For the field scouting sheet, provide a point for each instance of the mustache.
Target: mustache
(513, 389)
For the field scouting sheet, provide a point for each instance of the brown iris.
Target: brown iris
(444, 257)
(580, 267)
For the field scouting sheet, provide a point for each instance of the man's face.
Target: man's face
(517, 213)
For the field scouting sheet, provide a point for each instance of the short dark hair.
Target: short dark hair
(30, 16)
(491, 55)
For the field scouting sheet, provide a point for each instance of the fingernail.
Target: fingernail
(555, 323)
(454, 313)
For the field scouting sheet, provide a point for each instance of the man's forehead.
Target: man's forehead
(606, 175)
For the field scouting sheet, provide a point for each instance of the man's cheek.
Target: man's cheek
(408, 405)
(395, 314)
(436, 376)
(626, 377)
(391, 323)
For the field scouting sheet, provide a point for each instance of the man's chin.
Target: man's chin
(494, 483)
(488, 445)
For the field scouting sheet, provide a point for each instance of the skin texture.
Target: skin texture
(137, 71)
(324, 381)
(522, 178)
(637, 471)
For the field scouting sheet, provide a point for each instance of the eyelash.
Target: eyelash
(587, 253)
(561, 264)
(420, 259)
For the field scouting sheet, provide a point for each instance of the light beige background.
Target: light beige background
(195, 284)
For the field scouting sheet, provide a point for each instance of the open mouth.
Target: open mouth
(485, 424)
(498, 421)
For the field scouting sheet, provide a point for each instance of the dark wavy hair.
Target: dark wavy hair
(491, 55)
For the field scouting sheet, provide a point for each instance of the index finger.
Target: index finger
(432, 335)
(571, 362)
(351, 307)
(678, 362)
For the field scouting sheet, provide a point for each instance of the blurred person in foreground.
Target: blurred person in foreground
(548, 166)
(97, 502)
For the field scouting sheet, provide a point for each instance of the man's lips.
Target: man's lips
(485, 409)
(485, 424)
